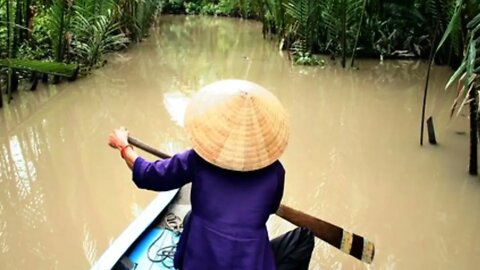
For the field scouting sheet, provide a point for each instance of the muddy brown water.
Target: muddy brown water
(353, 158)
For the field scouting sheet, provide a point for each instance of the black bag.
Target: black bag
(293, 250)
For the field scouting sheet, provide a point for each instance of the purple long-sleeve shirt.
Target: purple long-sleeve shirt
(227, 228)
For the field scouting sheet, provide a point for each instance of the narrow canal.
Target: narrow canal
(354, 158)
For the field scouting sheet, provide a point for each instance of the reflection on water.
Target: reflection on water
(3, 231)
(175, 103)
(353, 158)
(22, 173)
(89, 246)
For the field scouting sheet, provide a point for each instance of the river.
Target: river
(353, 159)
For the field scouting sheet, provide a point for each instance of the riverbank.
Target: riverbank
(353, 158)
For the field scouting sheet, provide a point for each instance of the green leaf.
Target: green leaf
(475, 22)
(455, 76)
(452, 25)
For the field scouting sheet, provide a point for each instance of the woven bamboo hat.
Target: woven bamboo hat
(237, 125)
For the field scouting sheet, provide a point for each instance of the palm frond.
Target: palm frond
(95, 36)
(145, 13)
(57, 26)
(104, 6)
(53, 68)
(436, 10)
(474, 24)
(468, 74)
(452, 25)
(353, 10)
(302, 13)
(86, 7)
(275, 10)
(456, 75)
(341, 20)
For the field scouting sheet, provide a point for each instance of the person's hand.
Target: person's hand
(118, 138)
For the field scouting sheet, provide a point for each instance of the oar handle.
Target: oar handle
(352, 244)
(147, 148)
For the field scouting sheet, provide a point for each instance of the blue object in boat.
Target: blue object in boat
(155, 250)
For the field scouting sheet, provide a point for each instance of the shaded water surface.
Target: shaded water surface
(353, 158)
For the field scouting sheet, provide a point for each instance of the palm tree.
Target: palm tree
(11, 79)
(468, 74)
(58, 26)
(302, 13)
(96, 31)
(331, 22)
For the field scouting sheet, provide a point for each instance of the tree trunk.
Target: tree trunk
(1, 96)
(473, 166)
(8, 48)
(61, 38)
(344, 33)
(17, 32)
(358, 33)
(28, 17)
(424, 104)
(9, 51)
(17, 40)
(431, 131)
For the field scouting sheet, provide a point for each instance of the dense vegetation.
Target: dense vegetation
(65, 36)
(66, 31)
(349, 28)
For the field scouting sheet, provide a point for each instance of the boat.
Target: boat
(126, 250)
(149, 241)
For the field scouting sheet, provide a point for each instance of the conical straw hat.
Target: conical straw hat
(237, 125)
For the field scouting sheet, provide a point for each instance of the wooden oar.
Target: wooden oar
(350, 243)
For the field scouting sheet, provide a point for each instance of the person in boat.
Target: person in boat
(238, 130)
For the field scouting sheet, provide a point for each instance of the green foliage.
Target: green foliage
(209, 9)
(192, 8)
(80, 31)
(436, 10)
(307, 59)
(302, 15)
(145, 15)
(53, 68)
(3, 29)
(221, 8)
(325, 25)
(7, 23)
(453, 27)
(373, 28)
(239, 8)
(174, 6)
(468, 74)
(40, 44)
(135, 16)
(57, 27)
(381, 28)
(232, 8)
(27, 51)
(274, 17)
(439, 12)
(400, 31)
(384, 37)
(378, 28)
(95, 36)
